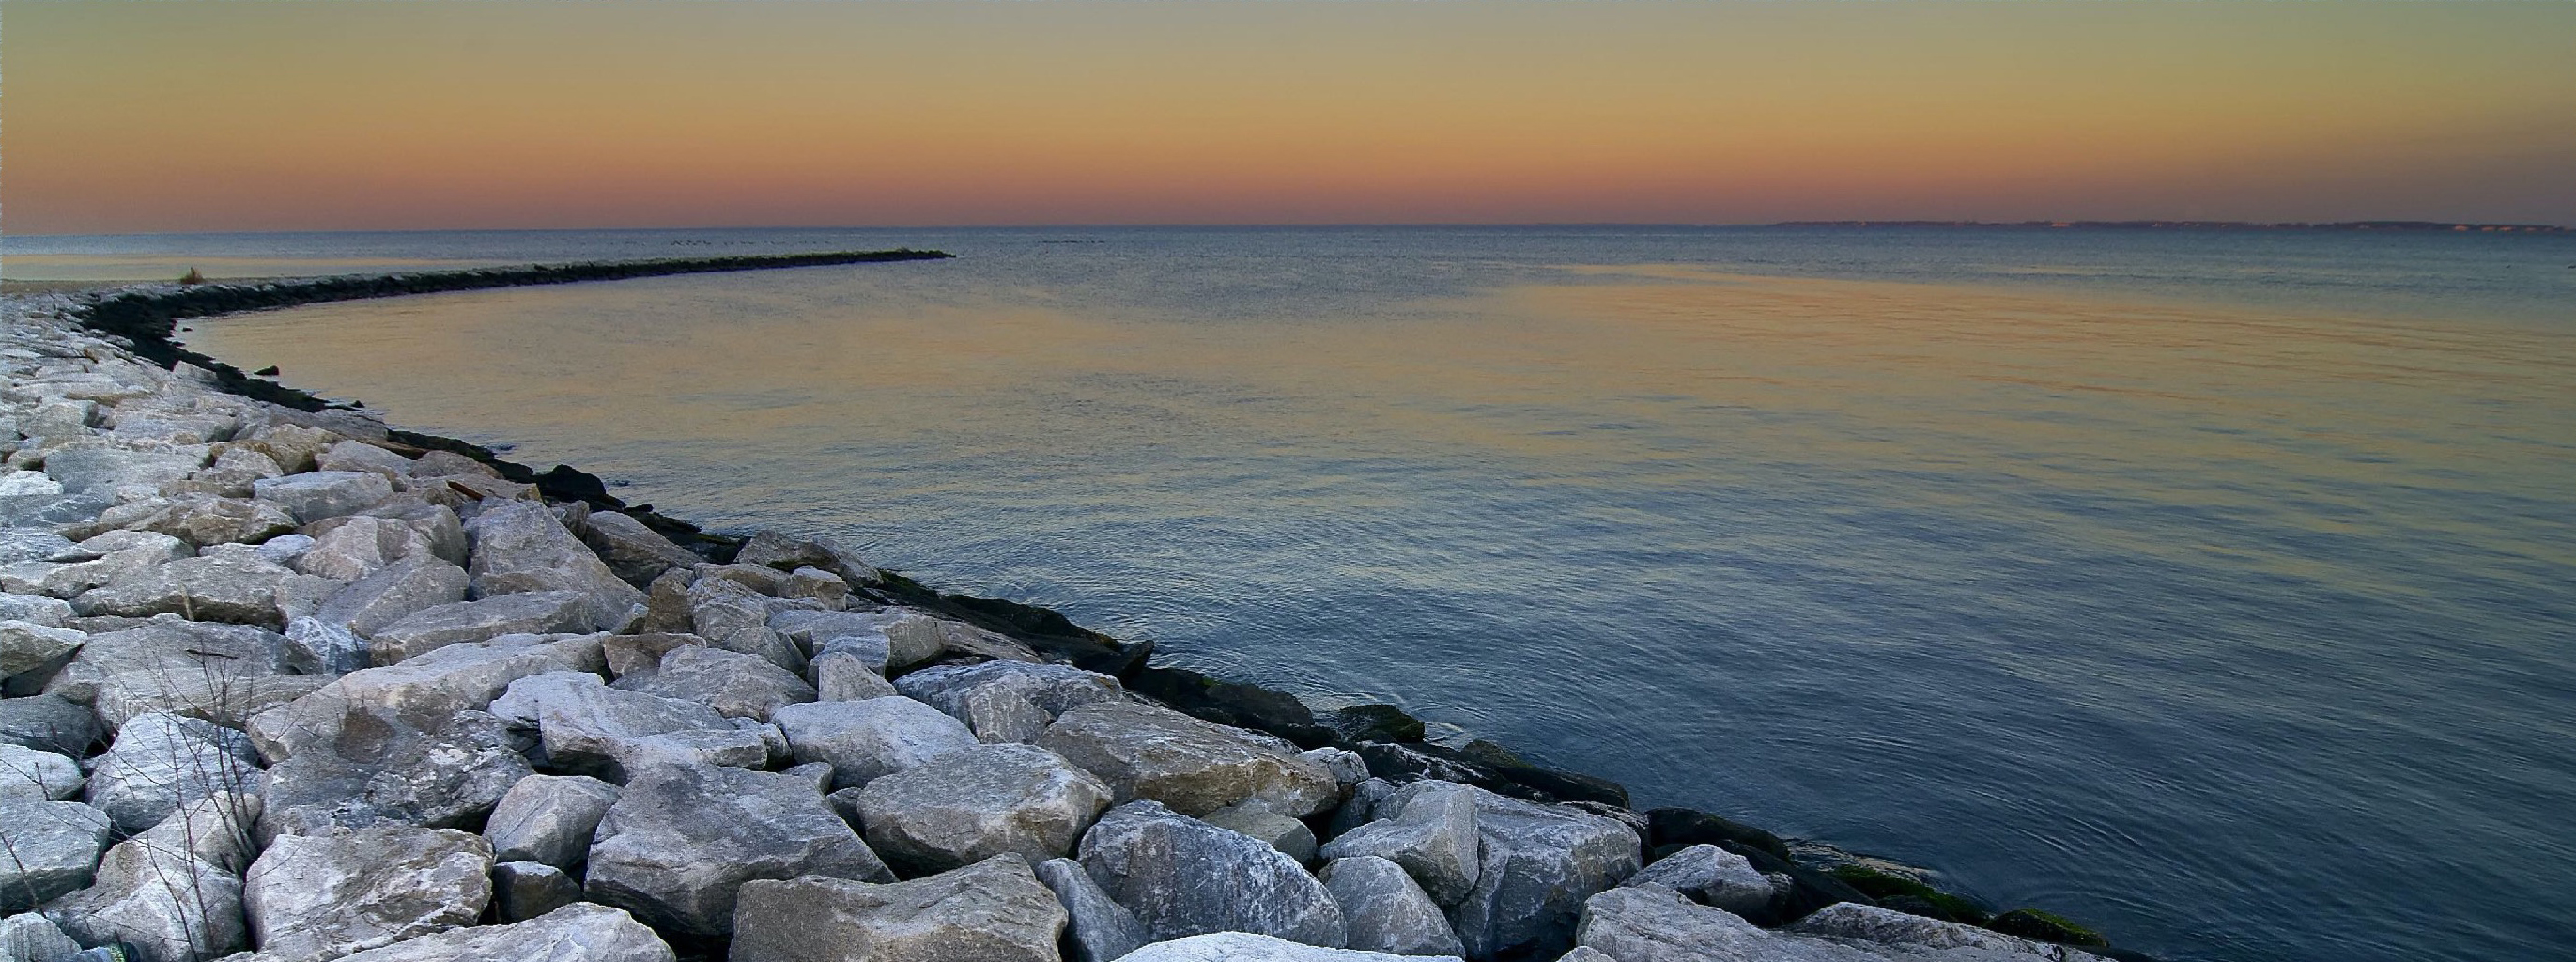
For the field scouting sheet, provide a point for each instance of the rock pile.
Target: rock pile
(282, 688)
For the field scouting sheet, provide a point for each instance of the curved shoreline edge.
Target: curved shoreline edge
(1393, 744)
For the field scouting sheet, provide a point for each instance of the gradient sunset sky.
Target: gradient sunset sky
(136, 117)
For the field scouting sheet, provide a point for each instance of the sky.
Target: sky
(234, 116)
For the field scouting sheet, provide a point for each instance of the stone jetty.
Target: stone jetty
(287, 685)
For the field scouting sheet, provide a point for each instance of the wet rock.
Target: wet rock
(422, 691)
(633, 551)
(1247, 947)
(199, 519)
(521, 547)
(48, 723)
(580, 932)
(225, 698)
(160, 761)
(588, 727)
(24, 645)
(1372, 723)
(323, 896)
(1537, 865)
(1384, 911)
(1914, 933)
(841, 676)
(1232, 703)
(682, 839)
(34, 938)
(549, 819)
(1254, 818)
(1488, 767)
(1097, 928)
(734, 684)
(437, 626)
(971, 804)
(526, 890)
(1008, 701)
(368, 768)
(28, 773)
(1683, 826)
(236, 588)
(867, 739)
(52, 847)
(1430, 829)
(992, 911)
(173, 892)
(361, 456)
(169, 643)
(1193, 766)
(1713, 876)
(316, 495)
(1182, 876)
(353, 546)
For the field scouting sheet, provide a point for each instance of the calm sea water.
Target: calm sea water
(2215, 589)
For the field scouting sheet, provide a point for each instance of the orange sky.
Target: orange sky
(126, 117)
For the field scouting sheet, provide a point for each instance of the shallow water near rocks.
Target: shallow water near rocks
(2215, 590)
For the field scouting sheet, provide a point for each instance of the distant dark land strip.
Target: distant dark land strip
(146, 316)
(2409, 226)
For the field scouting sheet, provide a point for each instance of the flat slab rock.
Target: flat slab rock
(322, 896)
(865, 740)
(580, 932)
(995, 910)
(1147, 752)
(969, 805)
(682, 839)
(588, 727)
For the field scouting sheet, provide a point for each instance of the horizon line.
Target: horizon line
(2391, 224)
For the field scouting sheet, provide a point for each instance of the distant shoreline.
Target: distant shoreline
(2389, 226)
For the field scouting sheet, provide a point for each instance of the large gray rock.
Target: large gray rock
(169, 643)
(1430, 831)
(29, 773)
(220, 696)
(549, 819)
(318, 897)
(317, 647)
(1712, 876)
(683, 838)
(435, 523)
(96, 562)
(1537, 865)
(1097, 928)
(173, 892)
(423, 691)
(526, 890)
(316, 495)
(735, 618)
(580, 932)
(361, 456)
(1915, 934)
(817, 585)
(34, 938)
(24, 645)
(734, 684)
(915, 637)
(52, 848)
(199, 519)
(235, 587)
(1182, 876)
(1384, 911)
(969, 805)
(38, 609)
(369, 768)
(94, 467)
(1195, 767)
(1651, 923)
(520, 546)
(1008, 701)
(1253, 817)
(437, 626)
(852, 632)
(353, 546)
(991, 911)
(865, 740)
(48, 723)
(586, 726)
(160, 761)
(841, 676)
(634, 552)
(1248, 947)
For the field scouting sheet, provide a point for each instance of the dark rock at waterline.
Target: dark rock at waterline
(1232, 703)
(269, 371)
(2040, 926)
(1684, 826)
(1373, 723)
(1405, 763)
(1808, 891)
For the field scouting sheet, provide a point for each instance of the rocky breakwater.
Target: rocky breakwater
(284, 687)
